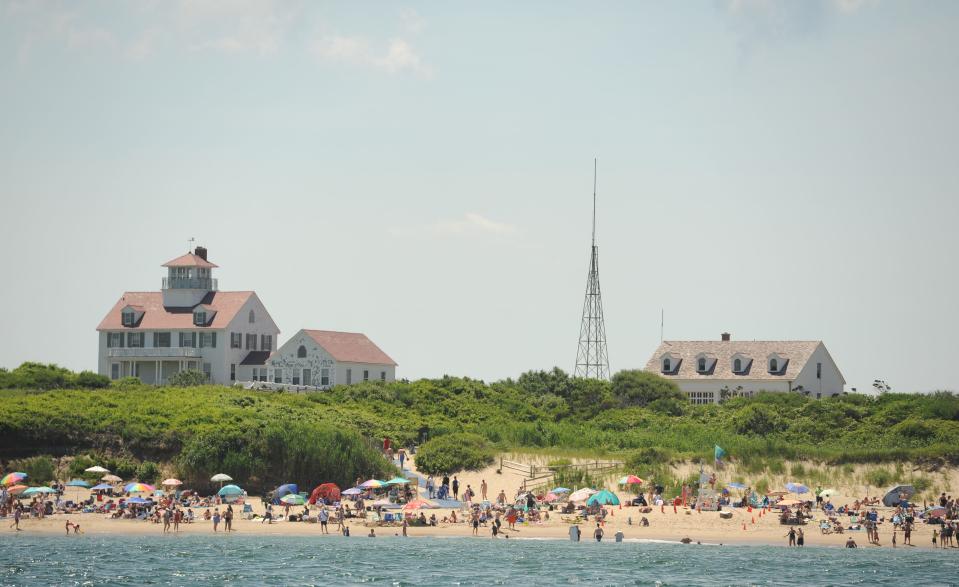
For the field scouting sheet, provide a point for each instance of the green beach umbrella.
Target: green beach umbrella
(398, 481)
(229, 490)
(603, 497)
(293, 499)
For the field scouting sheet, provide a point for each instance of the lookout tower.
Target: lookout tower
(189, 279)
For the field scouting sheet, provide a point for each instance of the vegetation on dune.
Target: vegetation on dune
(453, 453)
(272, 437)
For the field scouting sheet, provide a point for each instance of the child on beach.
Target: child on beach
(216, 518)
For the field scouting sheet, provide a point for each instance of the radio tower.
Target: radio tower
(591, 358)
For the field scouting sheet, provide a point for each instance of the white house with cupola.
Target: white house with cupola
(322, 359)
(188, 325)
(712, 370)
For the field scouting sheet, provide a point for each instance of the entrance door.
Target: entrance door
(307, 378)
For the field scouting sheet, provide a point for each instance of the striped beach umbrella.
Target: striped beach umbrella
(13, 478)
(373, 484)
(139, 488)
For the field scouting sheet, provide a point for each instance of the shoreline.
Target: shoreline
(708, 533)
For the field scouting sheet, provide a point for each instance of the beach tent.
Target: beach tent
(604, 497)
(287, 489)
(892, 497)
(327, 492)
(96, 469)
(228, 490)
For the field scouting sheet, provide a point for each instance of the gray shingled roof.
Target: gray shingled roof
(795, 352)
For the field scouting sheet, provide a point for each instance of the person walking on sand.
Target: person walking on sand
(402, 456)
(483, 488)
(216, 518)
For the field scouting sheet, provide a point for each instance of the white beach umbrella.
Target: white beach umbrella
(582, 494)
(97, 469)
(221, 478)
(111, 479)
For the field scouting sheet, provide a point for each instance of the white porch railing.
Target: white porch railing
(154, 353)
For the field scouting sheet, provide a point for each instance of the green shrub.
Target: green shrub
(879, 477)
(762, 486)
(639, 388)
(757, 419)
(797, 471)
(39, 469)
(91, 380)
(453, 453)
(189, 378)
(148, 472)
(647, 456)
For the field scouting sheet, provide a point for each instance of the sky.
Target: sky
(423, 173)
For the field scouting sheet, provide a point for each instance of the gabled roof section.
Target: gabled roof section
(190, 260)
(256, 358)
(350, 347)
(793, 354)
(157, 317)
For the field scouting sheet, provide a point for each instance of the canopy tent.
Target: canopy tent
(328, 492)
(897, 494)
(604, 497)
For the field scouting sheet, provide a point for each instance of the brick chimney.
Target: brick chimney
(200, 252)
(725, 336)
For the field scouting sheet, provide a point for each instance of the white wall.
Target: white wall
(831, 382)
(748, 385)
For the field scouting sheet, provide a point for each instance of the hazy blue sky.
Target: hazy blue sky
(422, 172)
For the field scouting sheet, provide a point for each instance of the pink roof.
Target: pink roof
(190, 260)
(155, 316)
(350, 347)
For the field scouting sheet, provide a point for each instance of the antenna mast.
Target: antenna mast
(591, 356)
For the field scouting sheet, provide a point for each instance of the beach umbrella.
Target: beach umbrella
(581, 494)
(353, 491)
(36, 490)
(171, 482)
(96, 469)
(111, 478)
(13, 478)
(373, 484)
(381, 503)
(735, 485)
(550, 497)
(777, 493)
(101, 487)
(558, 490)
(828, 492)
(16, 489)
(417, 504)
(788, 502)
(138, 488)
(628, 480)
(935, 512)
(138, 500)
(293, 499)
(287, 489)
(604, 497)
(229, 490)
(797, 488)
(221, 478)
(398, 481)
(78, 483)
(892, 496)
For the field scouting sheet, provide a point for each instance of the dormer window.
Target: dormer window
(773, 365)
(129, 318)
(199, 318)
(701, 364)
(667, 365)
(738, 366)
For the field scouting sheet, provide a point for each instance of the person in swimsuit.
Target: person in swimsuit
(800, 538)
(598, 533)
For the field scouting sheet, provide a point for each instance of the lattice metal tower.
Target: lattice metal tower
(591, 358)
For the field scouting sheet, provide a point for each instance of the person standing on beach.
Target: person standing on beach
(228, 519)
(792, 536)
(800, 537)
(483, 488)
(401, 453)
(430, 487)
(17, 514)
(907, 533)
(166, 520)
(598, 533)
(324, 519)
(216, 518)
(456, 488)
(574, 533)
(405, 525)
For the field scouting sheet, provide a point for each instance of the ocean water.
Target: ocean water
(271, 560)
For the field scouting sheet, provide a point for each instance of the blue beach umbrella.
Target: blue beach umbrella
(287, 489)
(736, 485)
(229, 490)
(559, 490)
(797, 488)
(101, 487)
(603, 497)
(77, 483)
(137, 500)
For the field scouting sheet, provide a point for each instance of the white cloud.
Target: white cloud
(397, 57)
(472, 224)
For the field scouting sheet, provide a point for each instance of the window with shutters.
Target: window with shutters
(161, 340)
(232, 371)
(115, 340)
(188, 340)
(135, 340)
(208, 340)
(366, 375)
(278, 376)
(128, 318)
(324, 377)
(236, 340)
(266, 342)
